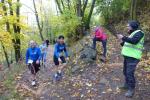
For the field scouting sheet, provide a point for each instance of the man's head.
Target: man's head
(61, 39)
(32, 44)
(133, 25)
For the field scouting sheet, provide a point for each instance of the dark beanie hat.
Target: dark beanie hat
(134, 24)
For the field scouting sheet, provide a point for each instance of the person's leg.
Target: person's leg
(33, 72)
(45, 55)
(94, 42)
(44, 59)
(131, 66)
(63, 62)
(124, 86)
(56, 61)
(30, 66)
(104, 44)
(42, 55)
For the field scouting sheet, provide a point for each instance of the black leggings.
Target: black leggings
(34, 68)
(56, 61)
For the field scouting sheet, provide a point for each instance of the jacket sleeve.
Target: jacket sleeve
(56, 53)
(98, 34)
(65, 50)
(39, 54)
(27, 56)
(135, 39)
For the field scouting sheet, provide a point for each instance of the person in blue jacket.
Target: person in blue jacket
(43, 48)
(60, 54)
(33, 57)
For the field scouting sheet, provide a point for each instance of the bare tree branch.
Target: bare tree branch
(38, 22)
(59, 7)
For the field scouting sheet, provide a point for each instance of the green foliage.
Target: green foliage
(7, 34)
(113, 9)
(65, 24)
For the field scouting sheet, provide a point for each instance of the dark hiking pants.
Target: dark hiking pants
(129, 70)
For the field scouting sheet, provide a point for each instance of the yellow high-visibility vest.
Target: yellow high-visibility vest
(133, 50)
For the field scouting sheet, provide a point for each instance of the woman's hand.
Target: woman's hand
(59, 59)
(37, 62)
(67, 58)
(120, 36)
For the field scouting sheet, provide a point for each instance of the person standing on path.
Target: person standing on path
(47, 42)
(33, 57)
(132, 51)
(60, 55)
(100, 35)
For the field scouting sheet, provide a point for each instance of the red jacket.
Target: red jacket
(100, 34)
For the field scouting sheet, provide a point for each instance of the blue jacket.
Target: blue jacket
(33, 54)
(60, 48)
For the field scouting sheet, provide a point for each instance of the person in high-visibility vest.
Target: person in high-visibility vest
(133, 46)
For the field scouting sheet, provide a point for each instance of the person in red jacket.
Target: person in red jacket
(100, 35)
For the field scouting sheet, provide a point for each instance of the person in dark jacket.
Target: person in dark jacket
(47, 42)
(60, 54)
(33, 57)
(132, 51)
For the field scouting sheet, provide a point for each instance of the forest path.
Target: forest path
(98, 81)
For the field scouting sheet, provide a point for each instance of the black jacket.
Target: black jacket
(134, 40)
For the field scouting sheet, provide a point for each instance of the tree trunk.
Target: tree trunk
(90, 15)
(17, 29)
(62, 4)
(84, 7)
(68, 3)
(5, 53)
(79, 11)
(8, 29)
(38, 22)
(18, 47)
(59, 7)
(5, 14)
(133, 9)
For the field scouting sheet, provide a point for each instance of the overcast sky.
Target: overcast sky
(27, 9)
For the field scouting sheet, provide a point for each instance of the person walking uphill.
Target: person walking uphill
(43, 48)
(33, 57)
(132, 51)
(60, 55)
(100, 35)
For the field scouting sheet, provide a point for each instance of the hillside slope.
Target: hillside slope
(94, 81)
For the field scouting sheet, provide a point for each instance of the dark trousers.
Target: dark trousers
(34, 68)
(129, 70)
(104, 44)
(56, 60)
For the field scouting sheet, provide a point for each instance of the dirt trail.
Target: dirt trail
(97, 82)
